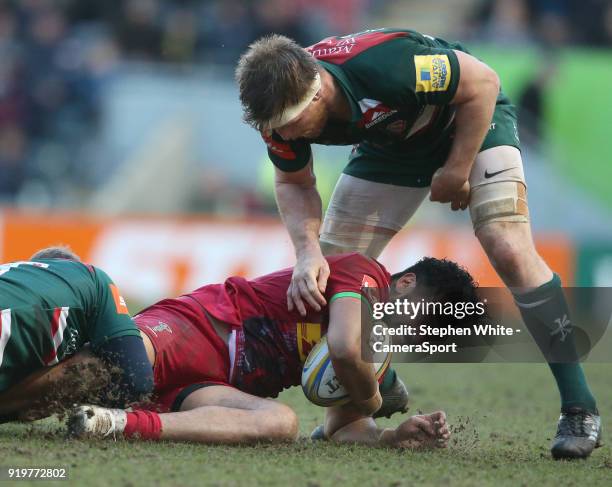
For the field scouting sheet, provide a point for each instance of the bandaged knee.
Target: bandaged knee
(503, 201)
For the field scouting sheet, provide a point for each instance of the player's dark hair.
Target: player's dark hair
(273, 74)
(446, 282)
(56, 252)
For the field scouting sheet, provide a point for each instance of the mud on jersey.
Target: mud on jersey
(399, 84)
(49, 308)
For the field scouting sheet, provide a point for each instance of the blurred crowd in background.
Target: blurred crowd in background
(58, 55)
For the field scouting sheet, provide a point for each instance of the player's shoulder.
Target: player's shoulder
(349, 48)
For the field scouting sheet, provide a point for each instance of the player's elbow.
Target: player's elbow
(490, 81)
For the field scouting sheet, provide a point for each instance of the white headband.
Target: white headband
(292, 112)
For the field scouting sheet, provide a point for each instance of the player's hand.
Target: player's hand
(423, 431)
(450, 185)
(308, 282)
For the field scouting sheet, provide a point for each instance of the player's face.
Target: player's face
(308, 125)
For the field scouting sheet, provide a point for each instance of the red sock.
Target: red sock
(144, 424)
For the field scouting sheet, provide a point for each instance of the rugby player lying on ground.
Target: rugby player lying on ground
(219, 351)
(51, 307)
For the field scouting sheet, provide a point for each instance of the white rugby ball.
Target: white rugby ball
(319, 381)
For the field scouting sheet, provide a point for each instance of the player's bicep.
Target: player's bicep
(474, 74)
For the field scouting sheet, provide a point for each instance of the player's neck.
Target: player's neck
(337, 104)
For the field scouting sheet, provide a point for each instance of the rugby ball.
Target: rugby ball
(319, 381)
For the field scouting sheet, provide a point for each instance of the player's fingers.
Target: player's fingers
(322, 280)
(438, 417)
(297, 300)
(314, 293)
(309, 291)
(455, 205)
(426, 426)
(289, 297)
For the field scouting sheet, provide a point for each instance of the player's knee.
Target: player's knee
(285, 423)
(503, 201)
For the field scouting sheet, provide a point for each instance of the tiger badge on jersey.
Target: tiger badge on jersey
(433, 73)
(119, 301)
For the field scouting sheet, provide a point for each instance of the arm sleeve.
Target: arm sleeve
(126, 356)
(407, 72)
(288, 156)
(112, 318)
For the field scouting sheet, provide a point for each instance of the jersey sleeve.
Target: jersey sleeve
(288, 156)
(112, 319)
(404, 71)
(355, 275)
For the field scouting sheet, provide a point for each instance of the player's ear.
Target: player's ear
(406, 283)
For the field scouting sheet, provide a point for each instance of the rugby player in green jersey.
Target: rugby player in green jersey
(51, 307)
(424, 117)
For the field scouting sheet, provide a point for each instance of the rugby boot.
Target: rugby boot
(96, 422)
(578, 433)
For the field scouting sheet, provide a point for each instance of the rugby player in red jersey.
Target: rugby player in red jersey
(219, 351)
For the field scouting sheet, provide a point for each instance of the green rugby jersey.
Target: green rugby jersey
(399, 84)
(49, 308)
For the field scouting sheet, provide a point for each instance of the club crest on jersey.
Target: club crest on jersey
(433, 73)
(374, 112)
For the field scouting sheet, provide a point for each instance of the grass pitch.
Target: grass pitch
(503, 416)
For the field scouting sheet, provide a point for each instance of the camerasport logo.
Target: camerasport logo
(374, 112)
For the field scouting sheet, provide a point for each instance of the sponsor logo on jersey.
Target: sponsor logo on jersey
(120, 305)
(308, 335)
(374, 112)
(338, 50)
(433, 73)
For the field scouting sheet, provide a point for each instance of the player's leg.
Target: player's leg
(215, 414)
(498, 206)
(363, 216)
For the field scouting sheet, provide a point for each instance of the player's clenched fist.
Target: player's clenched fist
(308, 282)
(450, 185)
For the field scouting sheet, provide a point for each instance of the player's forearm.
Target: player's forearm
(364, 431)
(300, 208)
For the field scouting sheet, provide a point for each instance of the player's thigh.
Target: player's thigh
(200, 395)
(498, 192)
(363, 215)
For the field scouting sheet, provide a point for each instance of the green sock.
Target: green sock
(388, 381)
(546, 315)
